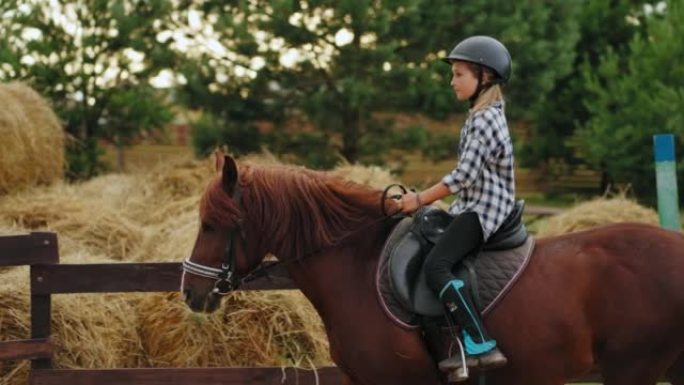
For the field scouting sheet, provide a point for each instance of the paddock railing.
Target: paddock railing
(39, 250)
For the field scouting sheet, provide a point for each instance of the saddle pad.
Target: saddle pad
(392, 307)
(496, 273)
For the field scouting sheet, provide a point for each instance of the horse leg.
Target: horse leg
(676, 372)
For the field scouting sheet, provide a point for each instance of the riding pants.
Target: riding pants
(461, 238)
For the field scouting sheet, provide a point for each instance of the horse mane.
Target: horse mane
(298, 211)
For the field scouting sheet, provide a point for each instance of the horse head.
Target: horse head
(220, 257)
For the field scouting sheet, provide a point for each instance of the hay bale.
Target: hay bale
(179, 179)
(62, 209)
(96, 331)
(376, 177)
(32, 137)
(88, 330)
(597, 212)
(250, 329)
(14, 321)
(373, 176)
(172, 239)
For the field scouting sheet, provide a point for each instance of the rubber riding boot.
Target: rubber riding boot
(477, 342)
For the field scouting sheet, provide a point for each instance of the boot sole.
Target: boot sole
(471, 362)
(491, 366)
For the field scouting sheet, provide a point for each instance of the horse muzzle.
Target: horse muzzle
(201, 303)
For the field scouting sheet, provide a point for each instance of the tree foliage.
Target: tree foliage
(632, 97)
(320, 80)
(342, 63)
(94, 60)
(602, 25)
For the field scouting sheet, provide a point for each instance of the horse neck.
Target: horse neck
(338, 278)
(295, 219)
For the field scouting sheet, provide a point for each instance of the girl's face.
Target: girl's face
(463, 80)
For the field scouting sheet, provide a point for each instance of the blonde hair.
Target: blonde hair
(491, 94)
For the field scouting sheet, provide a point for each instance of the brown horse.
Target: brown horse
(608, 299)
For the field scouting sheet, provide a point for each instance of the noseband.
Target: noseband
(225, 276)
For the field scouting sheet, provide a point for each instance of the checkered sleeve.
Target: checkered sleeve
(477, 145)
(469, 166)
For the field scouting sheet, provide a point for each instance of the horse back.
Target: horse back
(586, 295)
(626, 276)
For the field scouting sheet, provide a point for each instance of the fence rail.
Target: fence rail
(204, 376)
(37, 247)
(25, 349)
(129, 277)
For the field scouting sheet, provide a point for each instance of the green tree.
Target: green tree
(79, 53)
(341, 64)
(232, 106)
(284, 63)
(602, 25)
(540, 35)
(630, 99)
(132, 111)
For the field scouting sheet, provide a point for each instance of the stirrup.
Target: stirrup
(455, 362)
(458, 375)
(493, 359)
(454, 365)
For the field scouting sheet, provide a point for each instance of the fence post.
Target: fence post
(666, 181)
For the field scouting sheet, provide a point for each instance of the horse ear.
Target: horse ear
(229, 173)
(219, 160)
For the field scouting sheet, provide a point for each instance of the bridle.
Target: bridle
(226, 278)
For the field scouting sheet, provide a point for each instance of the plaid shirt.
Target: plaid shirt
(484, 178)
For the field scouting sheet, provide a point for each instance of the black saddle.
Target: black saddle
(407, 253)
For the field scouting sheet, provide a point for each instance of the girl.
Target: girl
(483, 183)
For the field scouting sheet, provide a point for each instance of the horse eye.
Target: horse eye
(207, 227)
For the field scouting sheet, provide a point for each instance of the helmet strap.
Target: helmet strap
(480, 87)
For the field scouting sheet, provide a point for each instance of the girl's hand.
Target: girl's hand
(409, 202)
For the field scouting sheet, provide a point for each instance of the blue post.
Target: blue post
(666, 181)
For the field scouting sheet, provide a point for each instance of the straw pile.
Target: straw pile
(266, 328)
(14, 320)
(89, 331)
(373, 176)
(32, 151)
(597, 212)
(96, 225)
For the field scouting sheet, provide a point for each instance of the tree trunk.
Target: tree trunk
(350, 138)
(606, 182)
(119, 153)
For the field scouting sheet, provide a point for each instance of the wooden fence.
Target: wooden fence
(40, 251)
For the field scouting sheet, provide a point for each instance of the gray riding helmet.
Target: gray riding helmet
(486, 51)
